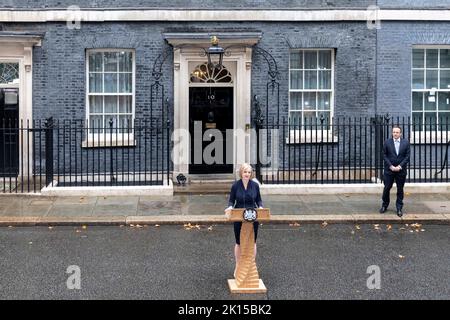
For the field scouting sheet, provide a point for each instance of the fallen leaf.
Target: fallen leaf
(401, 257)
(10, 226)
(138, 226)
(83, 227)
(324, 224)
(77, 231)
(50, 228)
(156, 225)
(210, 228)
(131, 225)
(358, 227)
(389, 227)
(422, 230)
(30, 242)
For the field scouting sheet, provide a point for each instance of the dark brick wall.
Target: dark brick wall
(395, 41)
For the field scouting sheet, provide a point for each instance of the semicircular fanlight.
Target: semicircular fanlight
(204, 73)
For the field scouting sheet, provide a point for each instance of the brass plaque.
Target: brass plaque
(211, 125)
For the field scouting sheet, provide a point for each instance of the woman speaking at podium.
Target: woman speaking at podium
(244, 194)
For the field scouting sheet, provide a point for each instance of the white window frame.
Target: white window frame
(424, 136)
(106, 139)
(309, 136)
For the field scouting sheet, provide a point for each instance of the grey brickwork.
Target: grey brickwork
(395, 41)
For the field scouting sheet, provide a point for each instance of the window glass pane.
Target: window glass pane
(96, 62)
(96, 124)
(125, 61)
(295, 119)
(310, 79)
(125, 104)
(111, 82)
(445, 79)
(432, 79)
(444, 121)
(444, 101)
(324, 79)
(417, 121)
(326, 120)
(95, 82)
(445, 58)
(309, 118)
(418, 79)
(296, 79)
(125, 82)
(417, 101)
(432, 58)
(324, 59)
(107, 124)
(430, 121)
(324, 102)
(418, 58)
(111, 59)
(310, 59)
(430, 101)
(125, 123)
(309, 101)
(96, 104)
(296, 60)
(296, 101)
(110, 104)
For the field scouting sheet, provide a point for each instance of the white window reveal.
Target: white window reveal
(110, 94)
(311, 93)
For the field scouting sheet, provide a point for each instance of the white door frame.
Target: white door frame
(240, 59)
(20, 50)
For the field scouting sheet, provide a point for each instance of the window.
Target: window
(430, 83)
(110, 90)
(311, 86)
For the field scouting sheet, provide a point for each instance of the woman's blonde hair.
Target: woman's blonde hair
(246, 166)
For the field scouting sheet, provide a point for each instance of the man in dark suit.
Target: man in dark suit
(396, 159)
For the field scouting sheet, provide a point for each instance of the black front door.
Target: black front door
(9, 132)
(210, 115)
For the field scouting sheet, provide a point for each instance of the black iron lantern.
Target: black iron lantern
(215, 53)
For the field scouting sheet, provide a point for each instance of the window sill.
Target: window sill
(438, 137)
(308, 137)
(93, 143)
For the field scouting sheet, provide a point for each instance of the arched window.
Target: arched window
(208, 74)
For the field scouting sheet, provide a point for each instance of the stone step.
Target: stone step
(203, 188)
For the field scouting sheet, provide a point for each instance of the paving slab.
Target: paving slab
(438, 206)
(115, 210)
(71, 210)
(20, 209)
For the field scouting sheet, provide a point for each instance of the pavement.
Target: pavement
(30, 210)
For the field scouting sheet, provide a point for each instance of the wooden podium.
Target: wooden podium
(247, 278)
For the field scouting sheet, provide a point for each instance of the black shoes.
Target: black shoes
(383, 209)
(399, 213)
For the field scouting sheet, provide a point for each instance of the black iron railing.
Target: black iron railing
(348, 150)
(64, 153)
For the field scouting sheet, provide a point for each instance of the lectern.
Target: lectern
(247, 278)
